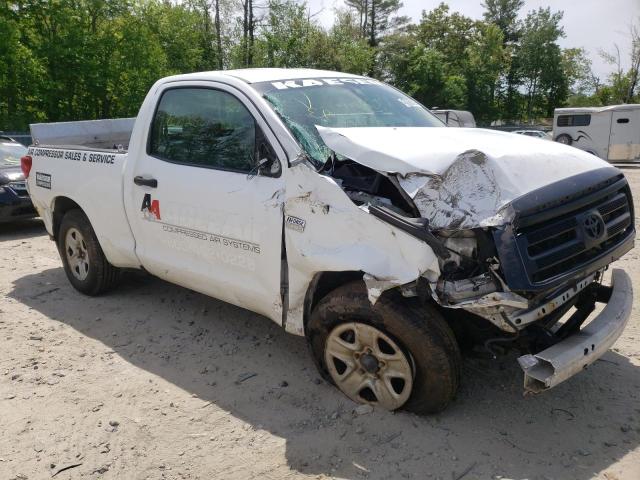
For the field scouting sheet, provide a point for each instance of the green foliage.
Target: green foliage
(449, 61)
(21, 76)
(289, 38)
(504, 15)
(577, 68)
(487, 59)
(540, 62)
(349, 51)
(377, 18)
(84, 59)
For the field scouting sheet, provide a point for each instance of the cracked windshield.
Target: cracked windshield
(340, 103)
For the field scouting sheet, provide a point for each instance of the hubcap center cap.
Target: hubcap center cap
(369, 363)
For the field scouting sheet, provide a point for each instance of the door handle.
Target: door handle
(146, 182)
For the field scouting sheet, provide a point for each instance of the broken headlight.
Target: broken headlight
(463, 247)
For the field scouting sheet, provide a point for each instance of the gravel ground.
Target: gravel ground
(156, 381)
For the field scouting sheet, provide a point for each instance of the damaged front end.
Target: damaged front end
(516, 245)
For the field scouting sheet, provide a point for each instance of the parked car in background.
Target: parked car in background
(21, 137)
(612, 133)
(15, 203)
(455, 118)
(534, 133)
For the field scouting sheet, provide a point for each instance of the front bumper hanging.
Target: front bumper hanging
(561, 361)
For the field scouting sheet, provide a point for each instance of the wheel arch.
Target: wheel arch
(60, 206)
(324, 283)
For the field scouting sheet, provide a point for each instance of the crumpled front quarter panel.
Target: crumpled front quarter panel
(326, 231)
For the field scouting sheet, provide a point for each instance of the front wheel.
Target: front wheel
(86, 267)
(394, 355)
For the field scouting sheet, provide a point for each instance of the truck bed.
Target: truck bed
(105, 135)
(84, 162)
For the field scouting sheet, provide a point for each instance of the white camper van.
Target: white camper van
(611, 133)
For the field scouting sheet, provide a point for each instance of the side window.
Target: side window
(204, 127)
(574, 120)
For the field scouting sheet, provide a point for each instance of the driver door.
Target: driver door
(203, 214)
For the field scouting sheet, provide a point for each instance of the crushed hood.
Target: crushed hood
(461, 177)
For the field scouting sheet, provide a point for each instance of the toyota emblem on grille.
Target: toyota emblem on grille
(593, 226)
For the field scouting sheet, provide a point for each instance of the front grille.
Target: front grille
(558, 244)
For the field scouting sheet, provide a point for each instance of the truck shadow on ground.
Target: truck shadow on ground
(22, 230)
(250, 367)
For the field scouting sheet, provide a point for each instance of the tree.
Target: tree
(179, 31)
(540, 62)
(487, 58)
(448, 60)
(83, 59)
(576, 66)
(504, 14)
(449, 33)
(21, 76)
(635, 64)
(347, 51)
(377, 18)
(287, 36)
(248, 31)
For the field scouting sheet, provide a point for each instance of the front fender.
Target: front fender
(326, 231)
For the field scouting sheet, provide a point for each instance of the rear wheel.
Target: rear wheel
(564, 139)
(393, 355)
(86, 267)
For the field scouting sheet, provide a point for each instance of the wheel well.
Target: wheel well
(61, 206)
(324, 283)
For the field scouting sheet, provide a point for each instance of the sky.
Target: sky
(592, 24)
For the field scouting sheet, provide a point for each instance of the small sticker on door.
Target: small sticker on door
(43, 180)
(295, 223)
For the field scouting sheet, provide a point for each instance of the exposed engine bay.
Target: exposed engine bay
(468, 264)
(366, 186)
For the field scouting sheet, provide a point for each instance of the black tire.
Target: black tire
(418, 329)
(101, 276)
(564, 139)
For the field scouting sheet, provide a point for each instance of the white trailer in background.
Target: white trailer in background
(611, 133)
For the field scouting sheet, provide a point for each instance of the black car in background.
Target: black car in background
(15, 203)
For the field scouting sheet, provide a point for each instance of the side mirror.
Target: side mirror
(268, 163)
(4, 180)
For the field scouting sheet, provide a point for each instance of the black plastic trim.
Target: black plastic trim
(554, 201)
(516, 276)
(416, 227)
(565, 195)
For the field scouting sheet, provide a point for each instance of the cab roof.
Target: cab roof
(256, 75)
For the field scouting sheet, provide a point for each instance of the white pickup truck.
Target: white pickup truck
(344, 211)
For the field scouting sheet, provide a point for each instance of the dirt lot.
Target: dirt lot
(155, 381)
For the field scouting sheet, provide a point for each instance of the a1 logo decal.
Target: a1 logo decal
(150, 208)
